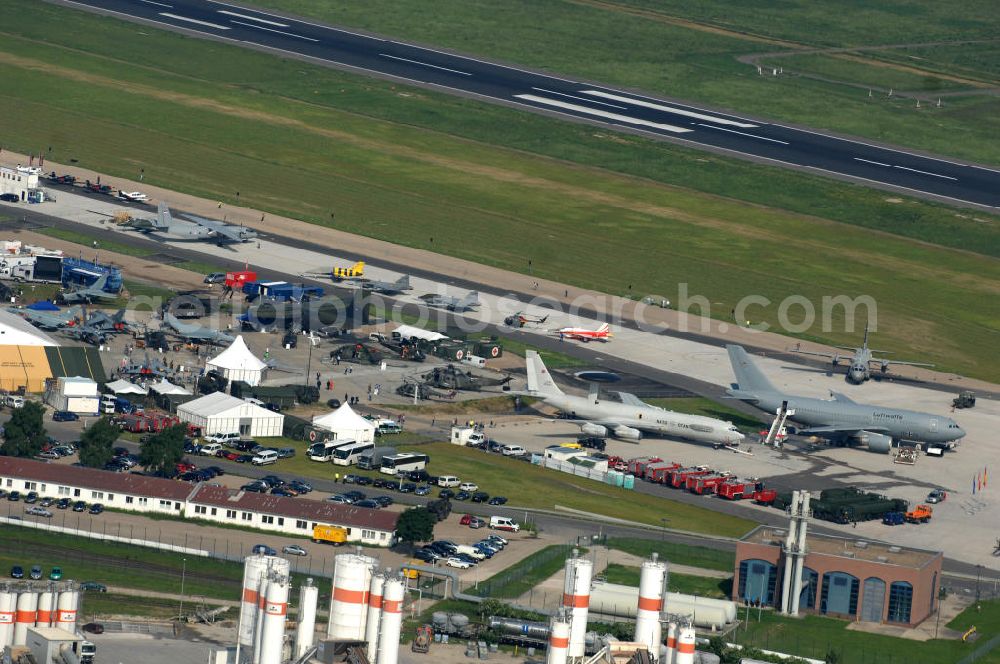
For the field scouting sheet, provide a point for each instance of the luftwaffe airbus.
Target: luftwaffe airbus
(627, 419)
(840, 419)
(859, 369)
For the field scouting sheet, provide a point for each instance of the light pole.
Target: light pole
(664, 520)
(183, 576)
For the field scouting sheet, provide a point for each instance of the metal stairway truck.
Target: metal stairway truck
(778, 425)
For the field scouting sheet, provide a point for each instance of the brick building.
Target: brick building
(843, 577)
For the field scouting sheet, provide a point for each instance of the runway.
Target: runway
(744, 137)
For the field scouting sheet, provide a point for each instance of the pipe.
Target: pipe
(790, 542)
(306, 634)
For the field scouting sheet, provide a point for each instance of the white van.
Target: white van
(513, 450)
(503, 523)
(13, 401)
(265, 457)
(449, 481)
(211, 449)
(223, 438)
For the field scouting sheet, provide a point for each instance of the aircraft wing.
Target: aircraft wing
(819, 431)
(909, 364)
(630, 399)
(817, 353)
(227, 231)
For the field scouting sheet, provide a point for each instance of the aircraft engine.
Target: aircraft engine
(594, 430)
(876, 442)
(626, 433)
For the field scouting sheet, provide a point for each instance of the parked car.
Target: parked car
(369, 503)
(497, 500)
(39, 511)
(93, 586)
(96, 508)
(463, 495)
(446, 493)
(301, 486)
(9, 198)
(93, 628)
(31, 498)
(340, 499)
(63, 503)
(14, 496)
(480, 497)
(286, 452)
(384, 501)
(355, 495)
(79, 506)
(936, 496)
(469, 486)
(294, 549)
(264, 549)
(426, 555)
(407, 487)
(285, 492)
(460, 563)
(48, 454)
(36, 572)
(422, 490)
(55, 574)
(64, 416)
(215, 278)
(363, 480)
(17, 572)
(46, 502)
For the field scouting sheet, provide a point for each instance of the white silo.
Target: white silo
(8, 605)
(46, 608)
(258, 628)
(576, 598)
(393, 592)
(254, 569)
(306, 634)
(685, 645)
(27, 610)
(374, 614)
(558, 640)
(275, 613)
(352, 576)
(69, 600)
(671, 651)
(652, 582)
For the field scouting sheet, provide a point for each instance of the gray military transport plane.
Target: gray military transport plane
(840, 419)
(861, 361)
(629, 418)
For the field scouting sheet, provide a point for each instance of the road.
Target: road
(744, 137)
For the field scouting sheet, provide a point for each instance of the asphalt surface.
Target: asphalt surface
(576, 100)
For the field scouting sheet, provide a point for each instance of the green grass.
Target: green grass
(485, 406)
(680, 554)
(692, 62)
(688, 584)
(87, 240)
(418, 165)
(524, 575)
(98, 606)
(708, 408)
(553, 359)
(836, 67)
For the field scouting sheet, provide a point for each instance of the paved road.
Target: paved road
(576, 100)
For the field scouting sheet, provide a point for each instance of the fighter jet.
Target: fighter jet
(467, 303)
(88, 294)
(97, 327)
(626, 419)
(196, 333)
(840, 419)
(197, 229)
(386, 287)
(49, 320)
(860, 363)
(601, 333)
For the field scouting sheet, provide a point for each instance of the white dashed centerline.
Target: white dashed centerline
(905, 168)
(668, 109)
(158, 4)
(869, 161)
(280, 32)
(742, 133)
(424, 64)
(251, 18)
(589, 101)
(177, 17)
(603, 114)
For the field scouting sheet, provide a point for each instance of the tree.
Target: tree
(24, 434)
(96, 443)
(416, 525)
(162, 452)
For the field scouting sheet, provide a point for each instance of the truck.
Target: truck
(739, 489)
(637, 466)
(894, 518)
(88, 651)
(657, 472)
(372, 459)
(919, 514)
(966, 399)
(702, 484)
(678, 478)
(468, 436)
(334, 535)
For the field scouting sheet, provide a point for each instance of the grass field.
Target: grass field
(552, 358)
(690, 50)
(98, 606)
(681, 554)
(418, 165)
(524, 575)
(688, 584)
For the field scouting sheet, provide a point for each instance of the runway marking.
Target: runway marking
(603, 114)
(743, 133)
(299, 21)
(589, 101)
(668, 109)
(158, 4)
(937, 175)
(425, 64)
(195, 21)
(869, 161)
(280, 32)
(249, 18)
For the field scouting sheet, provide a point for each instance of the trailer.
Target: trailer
(657, 472)
(678, 478)
(638, 465)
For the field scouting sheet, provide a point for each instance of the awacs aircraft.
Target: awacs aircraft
(386, 287)
(91, 293)
(860, 363)
(521, 319)
(197, 229)
(49, 320)
(627, 419)
(839, 419)
(602, 333)
(195, 333)
(470, 301)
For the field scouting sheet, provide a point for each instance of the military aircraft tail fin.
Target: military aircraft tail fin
(163, 218)
(403, 283)
(471, 300)
(749, 379)
(539, 380)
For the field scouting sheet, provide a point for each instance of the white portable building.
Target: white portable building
(345, 424)
(76, 394)
(238, 363)
(222, 413)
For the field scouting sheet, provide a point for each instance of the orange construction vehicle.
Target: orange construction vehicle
(919, 514)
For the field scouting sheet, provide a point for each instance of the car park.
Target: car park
(64, 416)
(17, 572)
(36, 572)
(294, 550)
(93, 586)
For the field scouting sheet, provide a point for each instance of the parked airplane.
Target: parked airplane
(627, 419)
(470, 301)
(196, 333)
(602, 333)
(96, 327)
(356, 271)
(88, 294)
(134, 196)
(840, 419)
(49, 320)
(860, 363)
(197, 229)
(521, 319)
(387, 287)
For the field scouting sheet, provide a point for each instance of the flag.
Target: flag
(973, 486)
(985, 476)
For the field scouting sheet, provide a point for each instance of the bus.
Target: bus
(347, 455)
(325, 450)
(403, 463)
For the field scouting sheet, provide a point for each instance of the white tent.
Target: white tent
(238, 363)
(166, 387)
(410, 332)
(345, 424)
(125, 387)
(221, 413)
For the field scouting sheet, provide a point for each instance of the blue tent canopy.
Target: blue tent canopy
(44, 305)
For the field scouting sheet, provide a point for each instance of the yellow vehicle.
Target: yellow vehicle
(356, 271)
(412, 573)
(572, 446)
(334, 535)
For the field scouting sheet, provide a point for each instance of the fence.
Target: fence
(981, 651)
